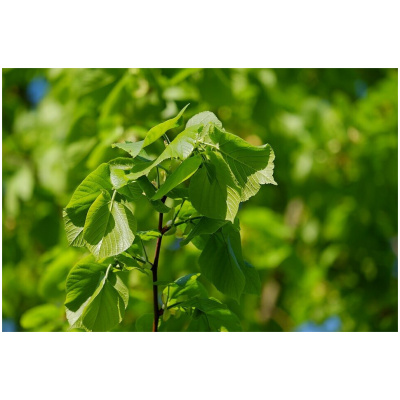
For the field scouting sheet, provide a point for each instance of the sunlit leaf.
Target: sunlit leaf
(251, 166)
(148, 235)
(96, 296)
(156, 132)
(109, 227)
(181, 174)
(87, 192)
(133, 148)
(181, 148)
(204, 118)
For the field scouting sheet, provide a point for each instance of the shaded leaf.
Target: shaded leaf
(213, 190)
(179, 193)
(183, 289)
(150, 190)
(213, 316)
(221, 262)
(205, 226)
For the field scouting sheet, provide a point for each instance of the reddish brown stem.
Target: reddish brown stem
(154, 270)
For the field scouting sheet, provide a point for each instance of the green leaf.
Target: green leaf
(118, 178)
(221, 262)
(186, 210)
(126, 259)
(179, 193)
(74, 215)
(204, 304)
(156, 132)
(253, 283)
(129, 263)
(205, 226)
(251, 166)
(87, 192)
(176, 324)
(96, 296)
(183, 289)
(118, 166)
(74, 221)
(124, 163)
(109, 227)
(181, 148)
(181, 174)
(200, 242)
(213, 316)
(133, 148)
(205, 118)
(132, 191)
(147, 187)
(148, 235)
(213, 190)
(150, 190)
(82, 281)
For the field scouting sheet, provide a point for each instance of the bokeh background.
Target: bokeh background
(324, 240)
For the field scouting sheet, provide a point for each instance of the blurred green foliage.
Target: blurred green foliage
(324, 240)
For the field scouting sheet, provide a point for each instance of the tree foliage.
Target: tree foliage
(323, 242)
(107, 226)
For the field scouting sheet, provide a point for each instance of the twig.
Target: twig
(154, 271)
(167, 228)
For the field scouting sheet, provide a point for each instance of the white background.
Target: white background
(199, 34)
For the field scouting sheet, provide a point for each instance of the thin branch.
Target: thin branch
(140, 259)
(185, 221)
(177, 213)
(154, 270)
(167, 228)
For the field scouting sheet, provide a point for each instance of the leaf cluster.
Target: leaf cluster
(209, 172)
